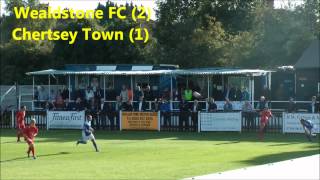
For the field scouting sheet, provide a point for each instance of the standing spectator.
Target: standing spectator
(232, 94)
(248, 113)
(313, 107)
(194, 117)
(187, 94)
(124, 95)
(148, 96)
(110, 111)
(184, 114)
(292, 107)
(94, 110)
(141, 104)
(262, 104)
(238, 94)
(165, 112)
(266, 92)
(166, 94)
(110, 93)
(43, 96)
(212, 106)
(130, 94)
(118, 105)
(89, 94)
(245, 95)
(138, 97)
(227, 106)
(65, 93)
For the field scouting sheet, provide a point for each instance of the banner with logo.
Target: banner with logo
(230, 121)
(140, 121)
(291, 122)
(65, 119)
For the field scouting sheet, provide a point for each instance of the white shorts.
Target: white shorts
(86, 138)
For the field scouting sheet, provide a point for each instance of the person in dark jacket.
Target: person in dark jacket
(165, 112)
(184, 114)
(110, 111)
(291, 106)
(313, 106)
(212, 106)
(194, 116)
(79, 105)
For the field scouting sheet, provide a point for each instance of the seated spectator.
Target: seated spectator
(227, 106)
(79, 105)
(292, 107)
(314, 106)
(212, 106)
(262, 104)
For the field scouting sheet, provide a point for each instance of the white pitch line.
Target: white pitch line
(294, 169)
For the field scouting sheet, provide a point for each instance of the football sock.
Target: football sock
(95, 145)
(32, 150)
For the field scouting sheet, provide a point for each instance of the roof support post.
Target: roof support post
(104, 87)
(49, 82)
(32, 106)
(69, 87)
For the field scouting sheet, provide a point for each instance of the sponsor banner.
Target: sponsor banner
(65, 119)
(291, 122)
(236, 105)
(140, 120)
(220, 121)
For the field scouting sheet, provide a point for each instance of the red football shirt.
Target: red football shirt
(20, 117)
(30, 131)
(265, 115)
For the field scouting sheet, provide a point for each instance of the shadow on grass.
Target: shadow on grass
(44, 155)
(228, 137)
(271, 158)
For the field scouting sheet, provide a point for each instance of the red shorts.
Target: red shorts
(264, 121)
(21, 126)
(29, 140)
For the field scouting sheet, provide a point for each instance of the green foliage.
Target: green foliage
(190, 33)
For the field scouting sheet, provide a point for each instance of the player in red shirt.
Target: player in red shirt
(29, 133)
(265, 115)
(20, 122)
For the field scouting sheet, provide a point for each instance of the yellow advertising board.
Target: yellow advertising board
(139, 120)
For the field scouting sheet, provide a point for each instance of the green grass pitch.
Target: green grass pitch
(145, 155)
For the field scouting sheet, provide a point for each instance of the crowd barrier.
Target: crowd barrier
(173, 121)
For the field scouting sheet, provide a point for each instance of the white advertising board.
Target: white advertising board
(291, 122)
(220, 121)
(65, 119)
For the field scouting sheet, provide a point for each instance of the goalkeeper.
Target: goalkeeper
(308, 128)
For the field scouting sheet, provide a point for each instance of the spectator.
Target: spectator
(43, 96)
(313, 107)
(262, 104)
(65, 93)
(238, 94)
(212, 106)
(195, 109)
(148, 96)
(138, 93)
(110, 111)
(128, 106)
(118, 105)
(184, 115)
(227, 106)
(248, 113)
(69, 106)
(187, 94)
(110, 93)
(94, 110)
(78, 93)
(79, 105)
(89, 94)
(59, 104)
(141, 104)
(166, 94)
(36, 97)
(266, 92)
(48, 106)
(130, 94)
(291, 106)
(124, 95)
(245, 95)
(165, 112)
(53, 95)
(232, 94)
